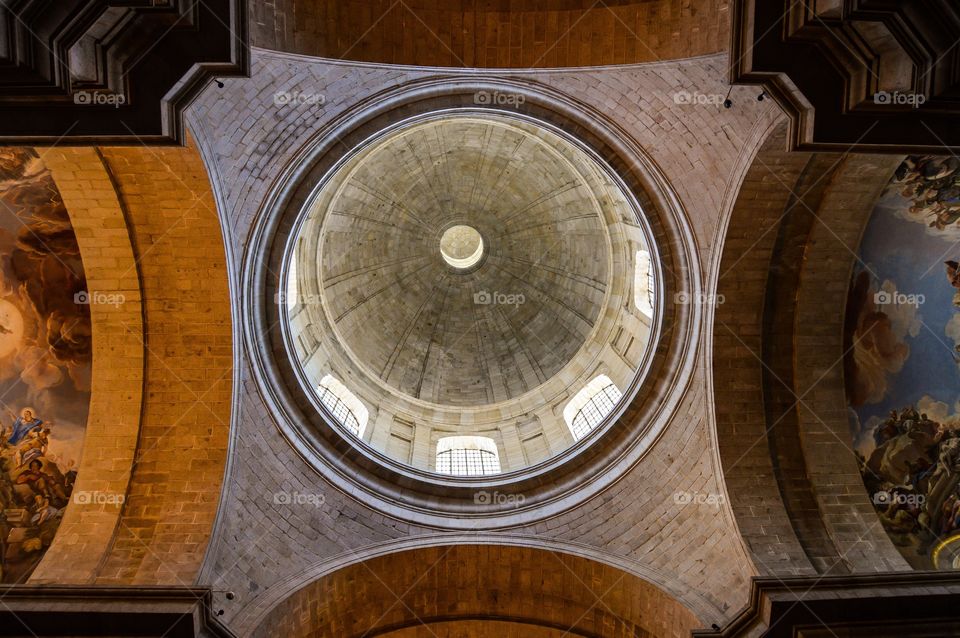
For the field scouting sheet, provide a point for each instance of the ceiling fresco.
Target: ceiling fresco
(902, 352)
(45, 360)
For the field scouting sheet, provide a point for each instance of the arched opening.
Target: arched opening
(345, 407)
(149, 205)
(467, 456)
(643, 283)
(495, 596)
(589, 407)
(292, 290)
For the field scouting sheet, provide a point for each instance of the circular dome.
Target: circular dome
(470, 274)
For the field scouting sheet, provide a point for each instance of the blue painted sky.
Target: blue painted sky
(908, 254)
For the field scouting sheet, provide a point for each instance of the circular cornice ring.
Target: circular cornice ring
(552, 486)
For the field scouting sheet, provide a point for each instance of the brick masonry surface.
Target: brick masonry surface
(113, 424)
(469, 580)
(176, 480)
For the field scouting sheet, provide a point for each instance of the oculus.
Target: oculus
(461, 247)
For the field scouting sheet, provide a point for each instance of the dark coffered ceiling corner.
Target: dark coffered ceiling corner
(115, 71)
(866, 75)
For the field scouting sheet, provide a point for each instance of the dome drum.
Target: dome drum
(518, 403)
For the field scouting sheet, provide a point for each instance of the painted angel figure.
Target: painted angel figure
(24, 424)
